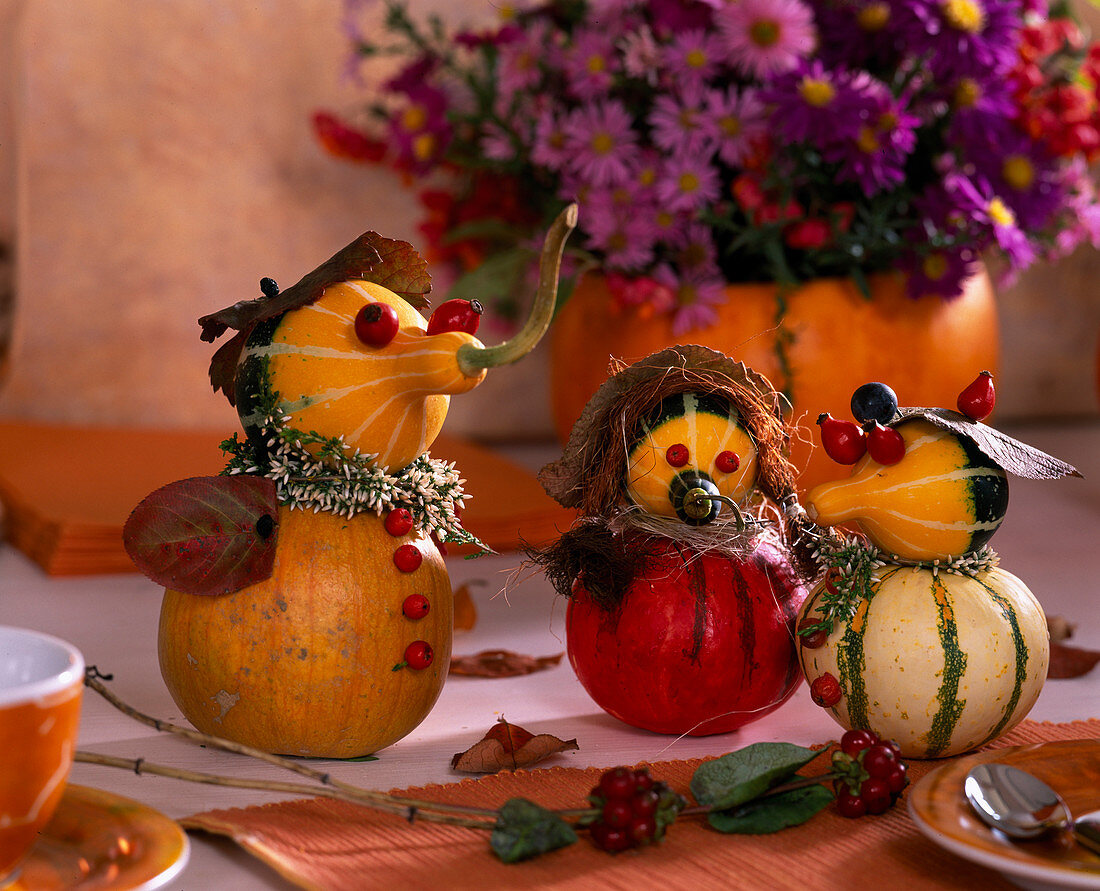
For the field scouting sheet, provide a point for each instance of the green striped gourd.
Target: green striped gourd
(943, 499)
(940, 662)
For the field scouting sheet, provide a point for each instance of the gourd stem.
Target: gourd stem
(472, 360)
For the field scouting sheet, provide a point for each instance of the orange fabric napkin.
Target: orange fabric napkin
(319, 843)
(68, 490)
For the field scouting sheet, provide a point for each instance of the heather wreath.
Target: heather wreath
(717, 141)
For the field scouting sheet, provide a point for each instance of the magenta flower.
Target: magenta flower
(550, 147)
(693, 57)
(602, 142)
(876, 156)
(698, 293)
(688, 182)
(765, 37)
(680, 123)
(813, 104)
(590, 64)
(739, 122)
(626, 237)
(961, 37)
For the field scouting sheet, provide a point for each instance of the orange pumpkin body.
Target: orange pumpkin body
(836, 340)
(303, 663)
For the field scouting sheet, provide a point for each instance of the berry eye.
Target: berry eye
(376, 324)
(727, 462)
(677, 455)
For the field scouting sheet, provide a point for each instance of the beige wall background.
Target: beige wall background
(156, 160)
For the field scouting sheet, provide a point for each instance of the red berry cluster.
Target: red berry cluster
(874, 406)
(871, 774)
(634, 809)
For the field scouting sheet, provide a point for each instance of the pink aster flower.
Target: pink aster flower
(692, 57)
(737, 117)
(688, 183)
(550, 145)
(698, 293)
(625, 237)
(590, 64)
(518, 69)
(602, 142)
(680, 123)
(764, 37)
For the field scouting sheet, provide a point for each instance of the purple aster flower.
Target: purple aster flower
(989, 212)
(963, 37)
(738, 119)
(813, 104)
(551, 145)
(518, 69)
(764, 37)
(692, 57)
(625, 237)
(982, 111)
(602, 142)
(673, 16)
(693, 247)
(590, 64)
(1025, 177)
(938, 272)
(688, 182)
(641, 54)
(857, 33)
(698, 293)
(680, 123)
(420, 129)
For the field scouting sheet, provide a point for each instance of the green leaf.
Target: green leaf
(742, 775)
(773, 812)
(524, 830)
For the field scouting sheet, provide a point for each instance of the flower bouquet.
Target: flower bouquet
(711, 142)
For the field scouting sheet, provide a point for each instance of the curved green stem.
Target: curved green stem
(472, 360)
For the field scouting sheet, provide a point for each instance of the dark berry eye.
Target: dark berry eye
(727, 462)
(677, 455)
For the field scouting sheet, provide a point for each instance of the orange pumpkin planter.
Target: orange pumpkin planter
(834, 340)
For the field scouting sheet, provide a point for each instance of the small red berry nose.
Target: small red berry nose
(677, 455)
(727, 462)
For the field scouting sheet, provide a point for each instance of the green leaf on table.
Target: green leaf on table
(524, 830)
(772, 812)
(742, 775)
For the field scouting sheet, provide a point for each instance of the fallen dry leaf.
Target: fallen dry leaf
(1070, 662)
(509, 747)
(465, 611)
(501, 664)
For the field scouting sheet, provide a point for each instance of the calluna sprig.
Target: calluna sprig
(322, 473)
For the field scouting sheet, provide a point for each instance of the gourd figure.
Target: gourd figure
(313, 616)
(681, 600)
(916, 633)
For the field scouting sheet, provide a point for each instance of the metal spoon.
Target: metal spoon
(1022, 806)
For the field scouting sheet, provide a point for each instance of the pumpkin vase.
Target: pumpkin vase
(816, 343)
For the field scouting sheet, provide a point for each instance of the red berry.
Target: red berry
(617, 783)
(408, 558)
(677, 455)
(644, 803)
(978, 399)
(617, 813)
(727, 462)
(849, 805)
(855, 741)
(456, 315)
(876, 795)
(812, 639)
(399, 521)
(419, 654)
(879, 761)
(416, 606)
(893, 746)
(843, 441)
(642, 830)
(376, 324)
(897, 779)
(825, 690)
(642, 780)
(884, 444)
(610, 839)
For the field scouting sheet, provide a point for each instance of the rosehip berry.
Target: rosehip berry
(849, 805)
(884, 444)
(408, 558)
(893, 746)
(879, 761)
(456, 315)
(376, 324)
(677, 455)
(610, 839)
(644, 803)
(416, 606)
(897, 779)
(642, 780)
(874, 402)
(617, 783)
(617, 813)
(979, 398)
(811, 640)
(855, 741)
(843, 441)
(727, 462)
(642, 830)
(398, 522)
(876, 795)
(419, 654)
(825, 690)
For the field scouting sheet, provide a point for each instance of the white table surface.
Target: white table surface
(1049, 539)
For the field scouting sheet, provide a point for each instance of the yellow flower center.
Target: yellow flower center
(867, 141)
(423, 146)
(596, 64)
(967, 93)
(696, 59)
(934, 267)
(689, 182)
(817, 93)
(964, 15)
(764, 32)
(730, 125)
(647, 176)
(873, 16)
(602, 143)
(1018, 172)
(507, 12)
(414, 117)
(1001, 213)
(664, 219)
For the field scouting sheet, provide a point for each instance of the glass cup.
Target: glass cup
(41, 682)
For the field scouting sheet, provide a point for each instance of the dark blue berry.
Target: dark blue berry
(874, 402)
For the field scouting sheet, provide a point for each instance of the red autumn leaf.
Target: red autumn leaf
(206, 534)
(1070, 662)
(509, 747)
(393, 264)
(501, 664)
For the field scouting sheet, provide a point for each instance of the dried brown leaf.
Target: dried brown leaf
(501, 664)
(509, 747)
(1060, 628)
(465, 611)
(1070, 662)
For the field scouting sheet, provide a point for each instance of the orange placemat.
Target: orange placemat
(319, 843)
(68, 490)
